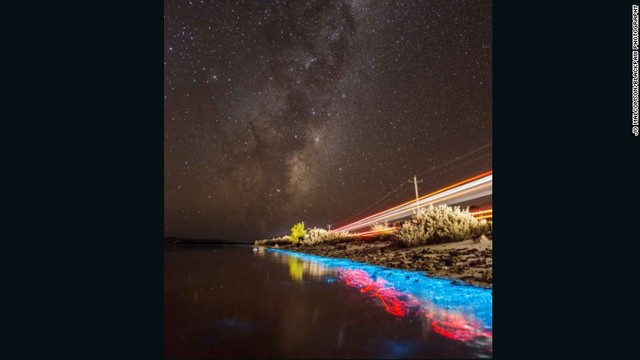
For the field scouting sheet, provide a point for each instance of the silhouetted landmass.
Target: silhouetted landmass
(172, 240)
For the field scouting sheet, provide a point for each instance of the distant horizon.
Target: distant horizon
(483, 201)
(205, 239)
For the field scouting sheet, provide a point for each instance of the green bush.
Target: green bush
(440, 224)
(297, 232)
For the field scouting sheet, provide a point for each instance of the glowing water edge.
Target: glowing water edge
(461, 313)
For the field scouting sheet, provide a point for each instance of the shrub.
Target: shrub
(383, 229)
(380, 226)
(316, 236)
(283, 240)
(297, 232)
(442, 223)
(319, 236)
(340, 237)
(412, 234)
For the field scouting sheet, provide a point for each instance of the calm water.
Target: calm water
(233, 302)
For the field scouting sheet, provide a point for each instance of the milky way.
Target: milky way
(285, 111)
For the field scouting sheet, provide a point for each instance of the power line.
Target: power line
(394, 191)
(449, 162)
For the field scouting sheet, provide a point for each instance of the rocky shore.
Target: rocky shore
(468, 261)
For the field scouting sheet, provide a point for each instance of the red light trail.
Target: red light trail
(468, 189)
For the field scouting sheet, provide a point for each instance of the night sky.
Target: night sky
(277, 112)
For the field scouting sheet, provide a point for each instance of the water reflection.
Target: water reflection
(456, 312)
(298, 267)
(295, 269)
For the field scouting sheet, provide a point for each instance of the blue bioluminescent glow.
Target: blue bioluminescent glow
(458, 312)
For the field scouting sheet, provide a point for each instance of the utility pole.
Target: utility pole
(415, 182)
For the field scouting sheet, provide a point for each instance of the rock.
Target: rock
(482, 240)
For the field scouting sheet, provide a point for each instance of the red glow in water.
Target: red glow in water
(458, 328)
(448, 324)
(392, 301)
(356, 278)
(397, 303)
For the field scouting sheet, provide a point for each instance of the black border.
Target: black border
(564, 159)
(85, 256)
(87, 274)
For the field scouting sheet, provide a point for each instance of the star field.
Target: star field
(285, 111)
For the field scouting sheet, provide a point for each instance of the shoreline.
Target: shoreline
(468, 262)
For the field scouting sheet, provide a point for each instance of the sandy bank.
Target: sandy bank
(468, 261)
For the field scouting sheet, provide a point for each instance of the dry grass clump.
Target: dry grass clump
(380, 226)
(283, 240)
(442, 223)
(319, 236)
